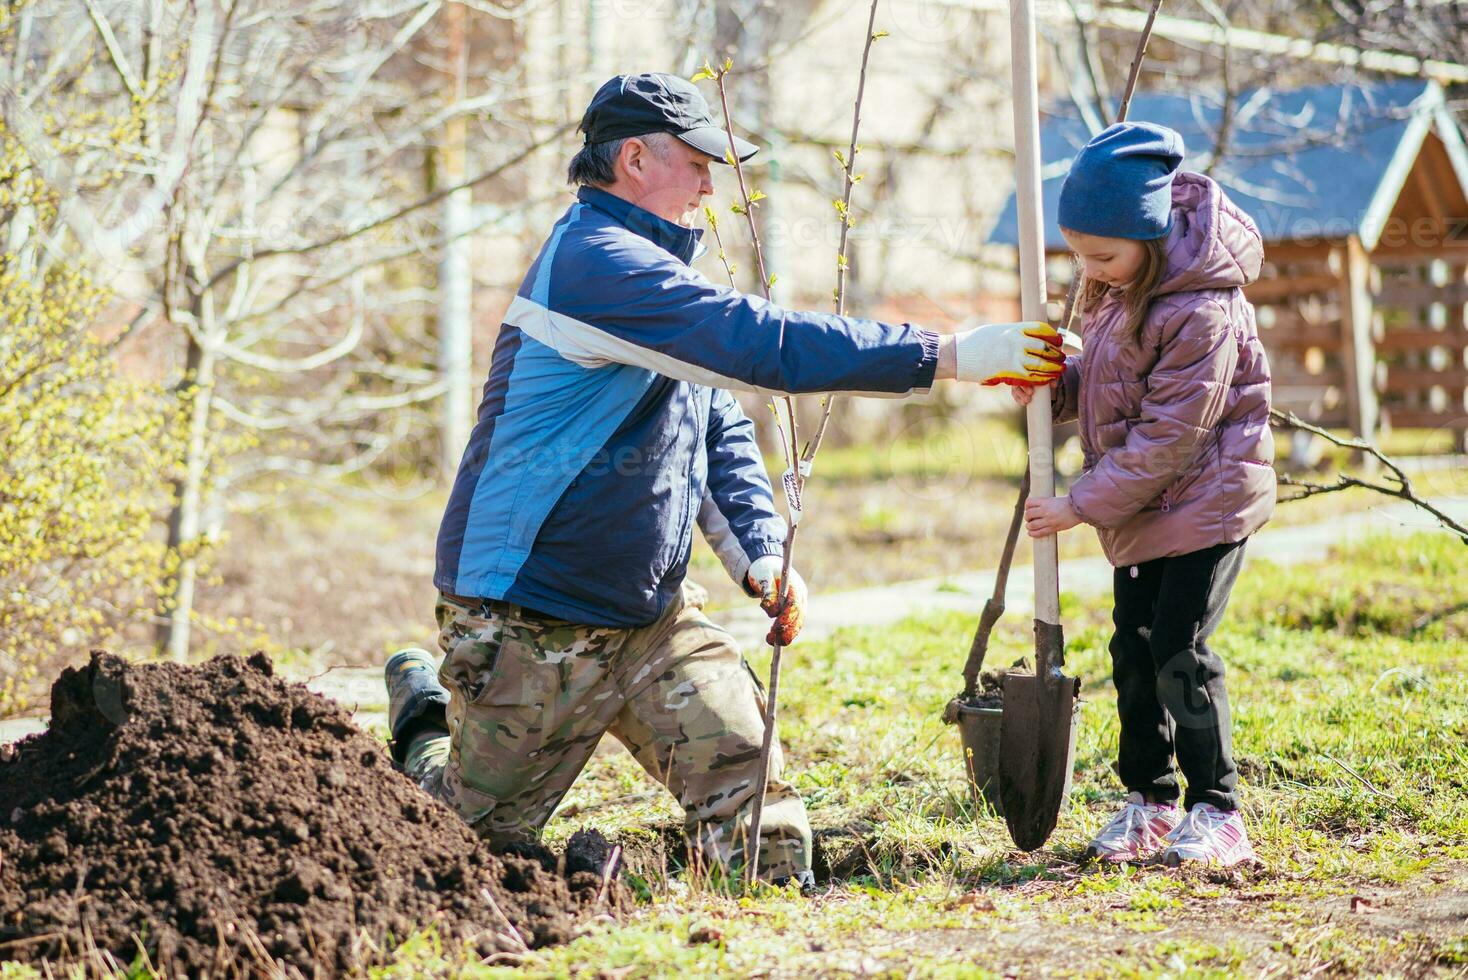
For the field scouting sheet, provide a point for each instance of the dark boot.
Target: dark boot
(416, 701)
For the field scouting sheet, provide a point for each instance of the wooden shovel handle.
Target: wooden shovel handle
(994, 608)
(1032, 296)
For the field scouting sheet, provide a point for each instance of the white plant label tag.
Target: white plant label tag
(792, 495)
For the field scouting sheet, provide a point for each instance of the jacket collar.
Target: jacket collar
(682, 242)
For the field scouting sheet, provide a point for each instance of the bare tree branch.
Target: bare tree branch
(1092, 68)
(1135, 71)
(1224, 135)
(114, 52)
(1397, 484)
(394, 216)
(843, 211)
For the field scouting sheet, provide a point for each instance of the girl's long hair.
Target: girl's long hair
(1136, 295)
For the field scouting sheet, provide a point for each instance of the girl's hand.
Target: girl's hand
(1022, 394)
(1045, 516)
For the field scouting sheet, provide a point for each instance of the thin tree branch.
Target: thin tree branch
(843, 211)
(788, 444)
(1136, 69)
(114, 52)
(282, 365)
(1068, 58)
(1436, 616)
(994, 607)
(387, 219)
(791, 481)
(1098, 90)
(320, 280)
(331, 410)
(1230, 97)
(110, 244)
(713, 221)
(330, 119)
(1402, 490)
(1078, 278)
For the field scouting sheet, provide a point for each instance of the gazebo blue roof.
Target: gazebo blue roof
(1321, 162)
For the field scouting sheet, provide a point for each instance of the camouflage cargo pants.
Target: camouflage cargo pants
(531, 697)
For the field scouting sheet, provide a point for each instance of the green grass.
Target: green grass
(936, 501)
(1351, 717)
(993, 446)
(1350, 732)
(929, 448)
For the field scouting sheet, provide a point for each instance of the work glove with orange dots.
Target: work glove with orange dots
(1026, 353)
(763, 581)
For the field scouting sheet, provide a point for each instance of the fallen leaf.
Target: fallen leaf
(705, 934)
(977, 901)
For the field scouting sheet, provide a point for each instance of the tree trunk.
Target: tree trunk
(597, 60)
(455, 274)
(185, 519)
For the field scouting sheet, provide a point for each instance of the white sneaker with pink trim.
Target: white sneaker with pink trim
(1209, 836)
(1136, 832)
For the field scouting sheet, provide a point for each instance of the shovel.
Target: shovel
(1037, 728)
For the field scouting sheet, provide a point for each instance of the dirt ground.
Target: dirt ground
(1404, 927)
(1408, 924)
(219, 819)
(1070, 920)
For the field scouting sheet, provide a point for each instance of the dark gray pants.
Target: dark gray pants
(1169, 684)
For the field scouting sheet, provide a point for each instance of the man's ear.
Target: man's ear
(631, 157)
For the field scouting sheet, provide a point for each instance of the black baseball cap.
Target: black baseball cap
(634, 105)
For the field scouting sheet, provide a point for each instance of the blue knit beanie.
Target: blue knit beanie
(1120, 184)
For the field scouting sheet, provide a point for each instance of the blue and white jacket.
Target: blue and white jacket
(606, 428)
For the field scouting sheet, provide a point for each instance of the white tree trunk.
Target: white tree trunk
(455, 273)
(186, 518)
(598, 62)
(455, 340)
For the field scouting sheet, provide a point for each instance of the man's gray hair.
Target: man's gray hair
(595, 163)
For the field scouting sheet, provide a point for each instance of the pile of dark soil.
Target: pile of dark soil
(226, 821)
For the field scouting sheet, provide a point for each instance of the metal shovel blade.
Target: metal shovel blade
(1037, 742)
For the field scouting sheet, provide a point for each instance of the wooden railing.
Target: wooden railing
(1421, 337)
(1298, 302)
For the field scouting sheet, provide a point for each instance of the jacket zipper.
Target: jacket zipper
(688, 508)
(1166, 503)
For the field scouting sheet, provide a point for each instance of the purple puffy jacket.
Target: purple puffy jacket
(1178, 452)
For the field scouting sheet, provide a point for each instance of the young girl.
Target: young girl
(1172, 393)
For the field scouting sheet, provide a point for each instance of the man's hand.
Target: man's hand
(763, 580)
(1049, 515)
(1008, 353)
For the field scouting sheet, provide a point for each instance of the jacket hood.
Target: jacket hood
(1212, 245)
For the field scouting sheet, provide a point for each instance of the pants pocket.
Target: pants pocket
(473, 806)
(474, 656)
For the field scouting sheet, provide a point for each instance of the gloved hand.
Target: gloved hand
(763, 581)
(1009, 353)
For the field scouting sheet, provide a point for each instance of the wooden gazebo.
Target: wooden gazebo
(1361, 193)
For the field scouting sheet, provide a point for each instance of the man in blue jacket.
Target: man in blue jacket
(606, 432)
